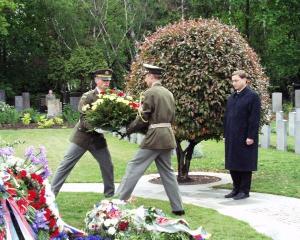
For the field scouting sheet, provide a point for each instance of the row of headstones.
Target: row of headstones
(54, 106)
(284, 127)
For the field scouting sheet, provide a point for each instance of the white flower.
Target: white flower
(86, 107)
(107, 223)
(111, 231)
(114, 221)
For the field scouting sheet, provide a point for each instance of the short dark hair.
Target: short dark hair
(240, 73)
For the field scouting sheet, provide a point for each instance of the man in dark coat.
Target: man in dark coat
(156, 115)
(241, 125)
(83, 139)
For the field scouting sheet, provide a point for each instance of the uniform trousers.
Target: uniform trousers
(139, 164)
(74, 153)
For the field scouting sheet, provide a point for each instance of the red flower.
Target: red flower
(22, 204)
(48, 214)
(31, 195)
(52, 223)
(37, 178)
(121, 94)
(22, 174)
(123, 226)
(55, 233)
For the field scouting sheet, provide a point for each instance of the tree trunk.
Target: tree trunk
(247, 20)
(184, 158)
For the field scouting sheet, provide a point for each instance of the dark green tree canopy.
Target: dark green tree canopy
(198, 57)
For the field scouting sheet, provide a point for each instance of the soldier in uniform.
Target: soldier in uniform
(155, 115)
(83, 139)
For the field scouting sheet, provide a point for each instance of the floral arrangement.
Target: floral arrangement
(27, 200)
(118, 220)
(111, 111)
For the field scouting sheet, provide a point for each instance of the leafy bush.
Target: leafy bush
(48, 123)
(8, 114)
(199, 57)
(69, 115)
(34, 114)
(26, 119)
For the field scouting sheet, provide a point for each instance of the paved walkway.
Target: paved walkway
(275, 216)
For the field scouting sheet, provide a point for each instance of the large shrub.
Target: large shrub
(199, 57)
(8, 114)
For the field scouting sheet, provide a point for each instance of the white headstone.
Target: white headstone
(19, 103)
(133, 138)
(265, 136)
(282, 135)
(139, 138)
(198, 151)
(279, 117)
(292, 119)
(26, 100)
(2, 96)
(276, 101)
(54, 108)
(297, 137)
(297, 114)
(297, 98)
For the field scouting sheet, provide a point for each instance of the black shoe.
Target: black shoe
(231, 194)
(241, 195)
(179, 213)
(108, 195)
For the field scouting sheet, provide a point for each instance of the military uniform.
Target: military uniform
(83, 140)
(156, 115)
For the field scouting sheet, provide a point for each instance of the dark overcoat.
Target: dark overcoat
(241, 121)
(82, 134)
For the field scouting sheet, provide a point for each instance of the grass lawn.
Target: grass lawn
(279, 172)
(221, 227)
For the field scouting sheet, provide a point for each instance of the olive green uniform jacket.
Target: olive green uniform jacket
(158, 106)
(81, 135)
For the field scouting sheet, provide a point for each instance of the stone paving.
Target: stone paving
(275, 216)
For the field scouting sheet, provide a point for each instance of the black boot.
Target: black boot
(231, 194)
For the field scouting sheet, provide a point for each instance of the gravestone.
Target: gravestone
(74, 101)
(265, 136)
(133, 138)
(2, 96)
(297, 137)
(279, 117)
(19, 103)
(54, 108)
(139, 138)
(276, 101)
(26, 100)
(297, 98)
(282, 135)
(292, 119)
(297, 114)
(198, 151)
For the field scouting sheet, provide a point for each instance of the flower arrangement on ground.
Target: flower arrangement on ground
(111, 111)
(27, 206)
(118, 220)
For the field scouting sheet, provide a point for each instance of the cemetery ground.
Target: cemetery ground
(278, 174)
